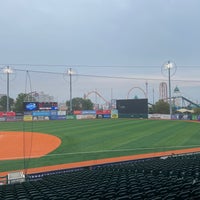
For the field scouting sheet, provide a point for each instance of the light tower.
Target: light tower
(8, 71)
(170, 67)
(70, 89)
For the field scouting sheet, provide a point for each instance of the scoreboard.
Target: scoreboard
(48, 106)
(132, 106)
(34, 106)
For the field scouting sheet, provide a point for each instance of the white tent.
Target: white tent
(184, 110)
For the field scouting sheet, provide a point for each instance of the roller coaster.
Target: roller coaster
(190, 103)
(184, 99)
(98, 94)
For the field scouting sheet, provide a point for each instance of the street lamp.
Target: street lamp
(7, 71)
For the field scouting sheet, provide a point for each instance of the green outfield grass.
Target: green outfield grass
(95, 139)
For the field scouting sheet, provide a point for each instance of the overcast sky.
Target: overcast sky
(133, 37)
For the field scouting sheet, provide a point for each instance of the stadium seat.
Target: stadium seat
(155, 179)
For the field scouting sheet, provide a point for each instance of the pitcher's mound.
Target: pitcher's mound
(20, 145)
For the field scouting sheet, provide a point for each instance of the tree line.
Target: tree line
(16, 105)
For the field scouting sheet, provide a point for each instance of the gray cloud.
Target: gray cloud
(102, 33)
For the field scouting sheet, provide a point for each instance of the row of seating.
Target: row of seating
(171, 178)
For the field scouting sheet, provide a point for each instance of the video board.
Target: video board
(33, 106)
(30, 106)
(132, 106)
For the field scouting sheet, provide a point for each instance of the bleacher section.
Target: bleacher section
(176, 177)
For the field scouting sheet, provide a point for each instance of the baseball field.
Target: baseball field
(37, 144)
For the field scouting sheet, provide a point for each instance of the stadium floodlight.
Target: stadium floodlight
(8, 71)
(171, 69)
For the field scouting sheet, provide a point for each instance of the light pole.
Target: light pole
(70, 90)
(8, 71)
(169, 66)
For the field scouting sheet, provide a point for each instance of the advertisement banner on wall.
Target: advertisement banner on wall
(41, 113)
(88, 112)
(19, 118)
(11, 119)
(70, 117)
(28, 113)
(61, 113)
(161, 116)
(107, 116)
(7, 114)
(77, 112)
(2, 119)
(40, 118)
(53, 112)
(61, 117)
(54, 117)
(27, 117)
(114, 114)
(103, 112)
(85, 116)
(10, 114)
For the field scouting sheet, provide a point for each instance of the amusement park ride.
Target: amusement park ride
(178, 100)
(107, 104)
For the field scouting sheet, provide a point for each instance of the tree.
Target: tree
(80, 104)
(196, 111)
(3, 103)
(161, 107)
(19, 101)
(151, 110)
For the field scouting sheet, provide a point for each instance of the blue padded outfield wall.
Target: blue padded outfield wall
(86, 114)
